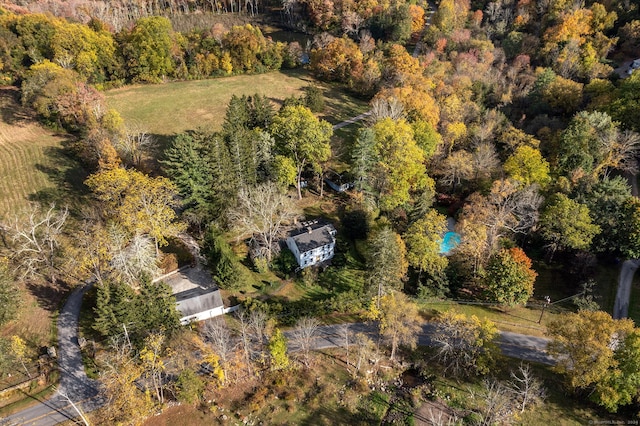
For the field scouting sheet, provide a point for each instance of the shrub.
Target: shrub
(189, 387)
(313, 98)
(285, 263)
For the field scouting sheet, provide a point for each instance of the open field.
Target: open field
(171, 108)
(32, 162)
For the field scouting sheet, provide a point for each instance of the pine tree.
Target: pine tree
(159, 307)
(237, 115)
(224, 264)
(261, 111)
(187, 164)
(105, 319)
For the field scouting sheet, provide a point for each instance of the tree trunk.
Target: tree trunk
(25, 368)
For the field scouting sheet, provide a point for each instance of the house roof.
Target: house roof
(310, 238)
(197, 300)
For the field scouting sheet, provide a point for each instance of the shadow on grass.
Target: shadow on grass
(156, 154)
(66, 174)
(49, 296)
(11, 110)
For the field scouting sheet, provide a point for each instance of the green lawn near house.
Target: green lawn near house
(166, 109)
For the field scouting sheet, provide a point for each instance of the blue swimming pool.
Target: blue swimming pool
(449, 242)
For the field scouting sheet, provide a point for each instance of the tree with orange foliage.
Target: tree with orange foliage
(510, 278)
(341, 60)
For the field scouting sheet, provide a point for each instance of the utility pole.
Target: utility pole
(547, 302)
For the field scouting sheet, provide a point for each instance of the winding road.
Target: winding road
(84, 392)
(74, 383)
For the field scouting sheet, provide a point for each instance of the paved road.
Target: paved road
(73, 380)
(513, 345)
(621, 306)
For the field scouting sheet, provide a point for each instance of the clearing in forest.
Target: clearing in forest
(32, 160)
(166, 109)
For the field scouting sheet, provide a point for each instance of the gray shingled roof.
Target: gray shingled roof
(199, 301)
(318, 237)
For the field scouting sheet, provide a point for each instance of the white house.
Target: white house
(199, 304)
(313, 243)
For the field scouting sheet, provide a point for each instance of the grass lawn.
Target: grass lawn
(33, 165)
(166, 109)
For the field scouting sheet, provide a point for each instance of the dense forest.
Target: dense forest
(517, 119)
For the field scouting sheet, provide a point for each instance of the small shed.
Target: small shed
(338, 182)
(199, 304)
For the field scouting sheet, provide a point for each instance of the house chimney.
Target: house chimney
(309, 229)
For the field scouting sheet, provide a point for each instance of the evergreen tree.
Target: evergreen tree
(261, 111)
(105, 319)
(223, 262)
(157, 308)
(114, 308)
(187, 164)
(363, 158)
(237, 116)
(240, 153)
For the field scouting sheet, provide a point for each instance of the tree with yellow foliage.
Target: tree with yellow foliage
(138, 202)
(400, 168)
(126, 404)
(466, 346)
(398, 320)
(599, 355)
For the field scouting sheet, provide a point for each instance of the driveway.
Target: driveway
(621, 306)
(73, 381)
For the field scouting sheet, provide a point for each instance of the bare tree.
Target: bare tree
(252, 331)
(386, 108)
(367, 352)
(131, 258)
(245, 339)
(456, 168)
(494, 403)
(77, 409)
(441, 418)
(509, 207)
(485, 160)
(258, 327)
(304, 336)
(619, 151)
(134, 143)
(352, 22)
(37, 241)
(217, 333)
(464, 346)
(526, 387)
(344, 331)
(262, 212)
